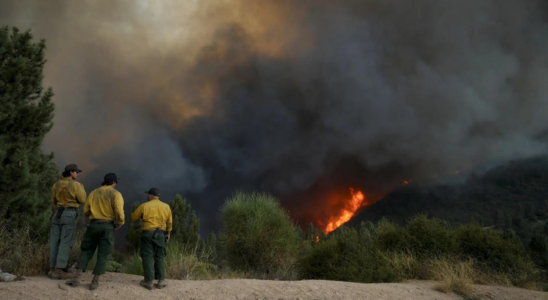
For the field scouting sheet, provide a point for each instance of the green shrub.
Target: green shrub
(429, 237)
(344, 256)
(493, 253)
(258, 235)
(113, 266)
(427, 249)
(133, 265)
(391, 237)
(118, 256)
(184, 261)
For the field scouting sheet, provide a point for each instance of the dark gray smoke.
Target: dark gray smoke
(298, 98)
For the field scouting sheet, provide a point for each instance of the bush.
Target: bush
(344, 257)
(182, 262)
(493, 253)
(133, 265)
(258, 236)
(427, 249)
(21, 254)
(430, 237)
(113, 266)
(390, 237)
(185, 261)
(454, 276)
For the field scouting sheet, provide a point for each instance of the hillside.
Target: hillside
(124, 286)
(510, 196)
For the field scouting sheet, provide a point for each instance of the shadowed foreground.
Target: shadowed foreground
(124, 286)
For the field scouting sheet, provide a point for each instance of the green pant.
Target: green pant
(61, 235)
(98, 236)
(153, 253)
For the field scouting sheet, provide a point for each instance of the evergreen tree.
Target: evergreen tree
(312, 233)
(186, 226)
(211, 247)
(322, 236)
(193, 235)
(301, 233)
(365, 230)
(133, 236)
(26, 173)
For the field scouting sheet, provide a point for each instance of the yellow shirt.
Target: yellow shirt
(105, 204)
(155, 213)
(69, 192)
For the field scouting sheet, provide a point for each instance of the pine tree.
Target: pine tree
(211, 247)
(193, 235)
(322, 236)
(26, 113)
(186, 225)
(312, 233)
(133, 236)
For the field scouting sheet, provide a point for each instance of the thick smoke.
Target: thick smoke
(299, 98)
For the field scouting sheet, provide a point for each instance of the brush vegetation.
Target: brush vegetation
(259, 240)
(258, 236)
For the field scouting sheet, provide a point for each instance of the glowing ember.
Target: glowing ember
(347, 212)
(406, 182)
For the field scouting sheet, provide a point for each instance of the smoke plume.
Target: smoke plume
(299, 98)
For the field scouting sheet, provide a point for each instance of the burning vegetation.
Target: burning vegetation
(357, 201)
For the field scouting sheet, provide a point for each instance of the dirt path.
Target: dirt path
(123, 286)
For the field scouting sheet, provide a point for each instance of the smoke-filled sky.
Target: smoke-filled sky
(302, 99)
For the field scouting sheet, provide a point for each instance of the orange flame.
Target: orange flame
(347, 212)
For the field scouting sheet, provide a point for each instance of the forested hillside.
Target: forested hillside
(511, 196)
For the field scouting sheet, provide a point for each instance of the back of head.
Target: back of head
(110, 179)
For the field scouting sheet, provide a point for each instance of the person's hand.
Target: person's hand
(168, 237)
(117, 227)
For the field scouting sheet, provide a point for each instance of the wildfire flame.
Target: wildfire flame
(347, 212)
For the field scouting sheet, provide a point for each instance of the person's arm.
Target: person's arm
(137, 214)
(169, 225)
(87, 206)
(169, 222)
(53, 199)
(81, 193)
(119, 210)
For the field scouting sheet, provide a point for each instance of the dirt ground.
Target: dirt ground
(123, 286)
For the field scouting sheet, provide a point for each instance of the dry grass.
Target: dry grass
(534, 286)
(25, 253)
(454, 276)
(406, 265)
(20, 253)
(188, 262)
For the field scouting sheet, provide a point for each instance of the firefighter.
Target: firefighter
(67, 195)
(157, 218)
(104, 207)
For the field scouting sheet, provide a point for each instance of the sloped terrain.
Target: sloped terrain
(510, 196)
